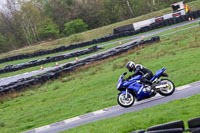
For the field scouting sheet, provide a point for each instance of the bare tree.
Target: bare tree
(130, 8)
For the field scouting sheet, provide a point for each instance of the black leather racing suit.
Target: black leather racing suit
(146, 74)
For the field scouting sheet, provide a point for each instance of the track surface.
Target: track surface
(180, 93)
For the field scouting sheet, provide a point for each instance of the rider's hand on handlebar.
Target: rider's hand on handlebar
(129, 77)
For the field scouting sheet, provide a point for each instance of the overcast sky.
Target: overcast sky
(2, 2)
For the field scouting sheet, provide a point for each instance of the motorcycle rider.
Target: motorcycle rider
(141, 70)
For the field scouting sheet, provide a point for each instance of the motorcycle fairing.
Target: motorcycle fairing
(138, 89)
(158, 73)
(132, 80)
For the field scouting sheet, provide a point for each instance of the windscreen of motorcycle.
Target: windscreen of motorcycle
(119, 82)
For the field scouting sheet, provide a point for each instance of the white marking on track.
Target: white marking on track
(16, 76)
(42, 128)
(98, 112)
(148, 100)
(72, 119)
(183, 87)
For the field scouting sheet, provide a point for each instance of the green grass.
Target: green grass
(183, 109)
(92, 87)
(93, 34)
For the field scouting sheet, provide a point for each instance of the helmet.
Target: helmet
(130, 66)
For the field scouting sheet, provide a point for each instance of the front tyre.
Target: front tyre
(125, 102)
(169, 89)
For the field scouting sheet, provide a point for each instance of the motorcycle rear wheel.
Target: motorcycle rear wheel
(125, 102)
(169, 90)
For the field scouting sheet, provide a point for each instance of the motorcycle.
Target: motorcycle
(132, 89)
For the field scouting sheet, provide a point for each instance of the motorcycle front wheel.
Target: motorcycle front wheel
(125, 102)
(169, 90)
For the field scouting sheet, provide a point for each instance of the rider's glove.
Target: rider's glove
(129, 77)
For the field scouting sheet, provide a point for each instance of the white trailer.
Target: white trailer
(178, 10)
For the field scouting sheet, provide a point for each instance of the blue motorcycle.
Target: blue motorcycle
(132, 89)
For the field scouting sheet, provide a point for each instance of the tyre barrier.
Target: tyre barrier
(124, 28)
(197, 130)
(156, 25)
(171, 125)
(33, 63)
(174, 127)
(69, 67)
(194, 125)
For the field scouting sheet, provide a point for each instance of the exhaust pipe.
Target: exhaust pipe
(161, 86)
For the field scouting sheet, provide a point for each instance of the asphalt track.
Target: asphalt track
(7, 80)
(180, 93)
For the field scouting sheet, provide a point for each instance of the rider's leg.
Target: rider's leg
(146, 78)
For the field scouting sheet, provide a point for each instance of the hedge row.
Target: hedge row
(156, 25)
(33, 63)
(69, 67)
(174, 127)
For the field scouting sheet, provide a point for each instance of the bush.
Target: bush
(75, 26)
(48, 29)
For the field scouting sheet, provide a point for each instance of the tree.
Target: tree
(92, 12)
(10, 25)
(30, 19)
(75, 26)
(2, 42)
(117, 10)
(58, 10)
(48, 29)
(130, 8)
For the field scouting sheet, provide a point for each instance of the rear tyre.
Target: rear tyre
(125, 102)
(169, 90)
